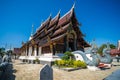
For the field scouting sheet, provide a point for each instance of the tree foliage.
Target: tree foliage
(101, 48)
(112, 46)
(2, 51)
(68, 56)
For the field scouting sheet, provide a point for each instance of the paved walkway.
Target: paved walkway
(22, 71)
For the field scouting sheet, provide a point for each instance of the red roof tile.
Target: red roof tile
(54, 20)
(60, 30)
(58, 37)
(65, 18)
(44, 24)
(16, 51)
(115, 51)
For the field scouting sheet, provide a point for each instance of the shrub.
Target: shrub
(65, 57)
(69, 63)
(68, 56)
(56, 62)
(79, 64)
(37, 60)
(61, 62)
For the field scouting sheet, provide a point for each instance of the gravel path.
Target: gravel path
(24, 71)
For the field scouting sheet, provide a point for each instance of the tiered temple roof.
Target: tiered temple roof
(54, 29)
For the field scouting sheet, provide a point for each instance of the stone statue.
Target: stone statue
(106, 58)
(95, 60)
(0, 59)
(6, 57)
(4, 62)
(93, 54)
(46, 73)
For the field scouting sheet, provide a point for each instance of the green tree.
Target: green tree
(2, 51)
(68, 56)
(112, 46)
(101, 48)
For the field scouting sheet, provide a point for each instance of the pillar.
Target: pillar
(35, 50)
(51, 48)
(30, 50)
(54, 46)
(40, 51)
(75, 44)
(67, 45)
(27, 50)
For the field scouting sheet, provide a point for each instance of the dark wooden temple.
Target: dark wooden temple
(57, 35)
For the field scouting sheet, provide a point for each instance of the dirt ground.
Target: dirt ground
(23, 71)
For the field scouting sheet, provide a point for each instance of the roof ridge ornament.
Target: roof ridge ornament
(59, 11)
(41, 23)
(50, 15)
(73, 5)
(72, 9)
(31, 35)
(32, 30)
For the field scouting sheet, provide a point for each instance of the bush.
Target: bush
(56, 62)
(68, 56)
(61, 62)
(79, 64)
(70, 63)
(37, 60)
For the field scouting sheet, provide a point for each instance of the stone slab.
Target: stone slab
(46, 73)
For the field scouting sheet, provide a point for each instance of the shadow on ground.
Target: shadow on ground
(116, 65)
(8, 74)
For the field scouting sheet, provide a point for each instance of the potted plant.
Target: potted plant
(37, 61)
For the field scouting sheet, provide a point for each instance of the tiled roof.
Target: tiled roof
(16, 51)
(57, 27)
(61, 30)
(64, 18)
(115, 51)
(54, 20)
(44, 24)
(58, 37)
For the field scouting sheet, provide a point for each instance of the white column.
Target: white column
(26, 51)
(35, 50)
(118, 44)
(30, 50)
(40, 50)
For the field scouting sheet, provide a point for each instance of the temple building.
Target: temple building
(55, 35)
(116, 52)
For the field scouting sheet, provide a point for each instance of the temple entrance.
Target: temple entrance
(71, 42)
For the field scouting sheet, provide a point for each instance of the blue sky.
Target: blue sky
(100, 18)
